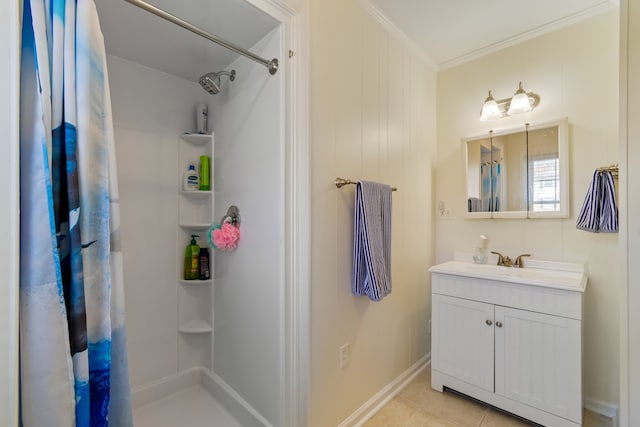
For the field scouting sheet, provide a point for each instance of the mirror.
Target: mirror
(519, 173)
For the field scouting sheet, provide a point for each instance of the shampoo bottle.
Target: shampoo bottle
(191, 181)
(205, 274)
(205, 174)
(192, 260)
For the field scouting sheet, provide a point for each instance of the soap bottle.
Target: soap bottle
(191, 181)
(192, 260)
(480, 251)
(205, 174)
(205, 274)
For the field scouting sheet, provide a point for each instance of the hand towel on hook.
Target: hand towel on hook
(372, 241)
(599, 213)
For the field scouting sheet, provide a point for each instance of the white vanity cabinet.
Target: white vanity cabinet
(462, 340)
(511, 337)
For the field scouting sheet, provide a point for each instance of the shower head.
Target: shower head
(211, 81)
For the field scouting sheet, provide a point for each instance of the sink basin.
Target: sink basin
(540, 273)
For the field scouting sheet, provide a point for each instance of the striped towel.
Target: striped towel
(599, 213)
(372, 241)
(474, 204)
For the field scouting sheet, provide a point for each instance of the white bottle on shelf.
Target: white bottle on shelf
(191, 181)
(201, 118)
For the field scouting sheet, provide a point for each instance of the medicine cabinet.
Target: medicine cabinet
(519, 172)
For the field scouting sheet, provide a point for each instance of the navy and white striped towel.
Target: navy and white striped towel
(599, 213)
(372, 241)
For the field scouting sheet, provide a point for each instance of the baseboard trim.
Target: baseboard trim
(605, 409)
(381, 398)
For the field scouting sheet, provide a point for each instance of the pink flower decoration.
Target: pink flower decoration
(226, 237)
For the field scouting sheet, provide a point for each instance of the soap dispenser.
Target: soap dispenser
(480, 251)
(192, 260)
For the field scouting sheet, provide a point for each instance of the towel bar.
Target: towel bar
(611, 168)
(341, 182)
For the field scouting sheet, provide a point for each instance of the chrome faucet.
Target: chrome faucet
(505, 261)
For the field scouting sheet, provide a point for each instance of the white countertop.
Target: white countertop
(551, 274)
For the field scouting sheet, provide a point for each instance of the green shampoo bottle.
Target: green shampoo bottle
(205, 174)
(191, 260)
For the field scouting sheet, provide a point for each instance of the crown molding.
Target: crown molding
(528, 35)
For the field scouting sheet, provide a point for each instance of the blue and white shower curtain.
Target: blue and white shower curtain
(72, 333)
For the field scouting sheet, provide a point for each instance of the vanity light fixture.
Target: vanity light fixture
(490, 109)
(521, 102)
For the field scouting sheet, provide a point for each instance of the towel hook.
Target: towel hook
(232, 216)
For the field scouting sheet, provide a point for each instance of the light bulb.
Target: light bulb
(490, 109)
(520, 102)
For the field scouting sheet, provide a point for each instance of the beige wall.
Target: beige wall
(630, 176)
(575, 71)
(372, 117)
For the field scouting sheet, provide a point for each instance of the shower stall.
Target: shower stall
(241, 362)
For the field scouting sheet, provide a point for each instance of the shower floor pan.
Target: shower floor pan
(193, 407)
(193, 398)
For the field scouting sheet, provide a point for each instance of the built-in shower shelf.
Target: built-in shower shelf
(195, 227)
(197, 138)
(196, 194)
(194, 297)
(196, 327)
(196, 282)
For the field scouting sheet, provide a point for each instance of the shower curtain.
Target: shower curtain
(73, 352)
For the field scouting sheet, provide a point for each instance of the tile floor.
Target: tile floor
(418, 405)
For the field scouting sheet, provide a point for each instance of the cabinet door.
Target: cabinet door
(538, 361)
(462, 340)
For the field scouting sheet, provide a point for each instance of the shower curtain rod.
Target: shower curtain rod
(272, 65)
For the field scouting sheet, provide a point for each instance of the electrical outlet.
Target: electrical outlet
(344, 356)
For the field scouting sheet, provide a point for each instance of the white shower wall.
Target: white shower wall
(249, 282)
(150, 110)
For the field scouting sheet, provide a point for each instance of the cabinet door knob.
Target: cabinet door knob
(499, 324)
(488, 322)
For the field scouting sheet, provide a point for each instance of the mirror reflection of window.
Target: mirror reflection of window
(544, 184)
(544, 170)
